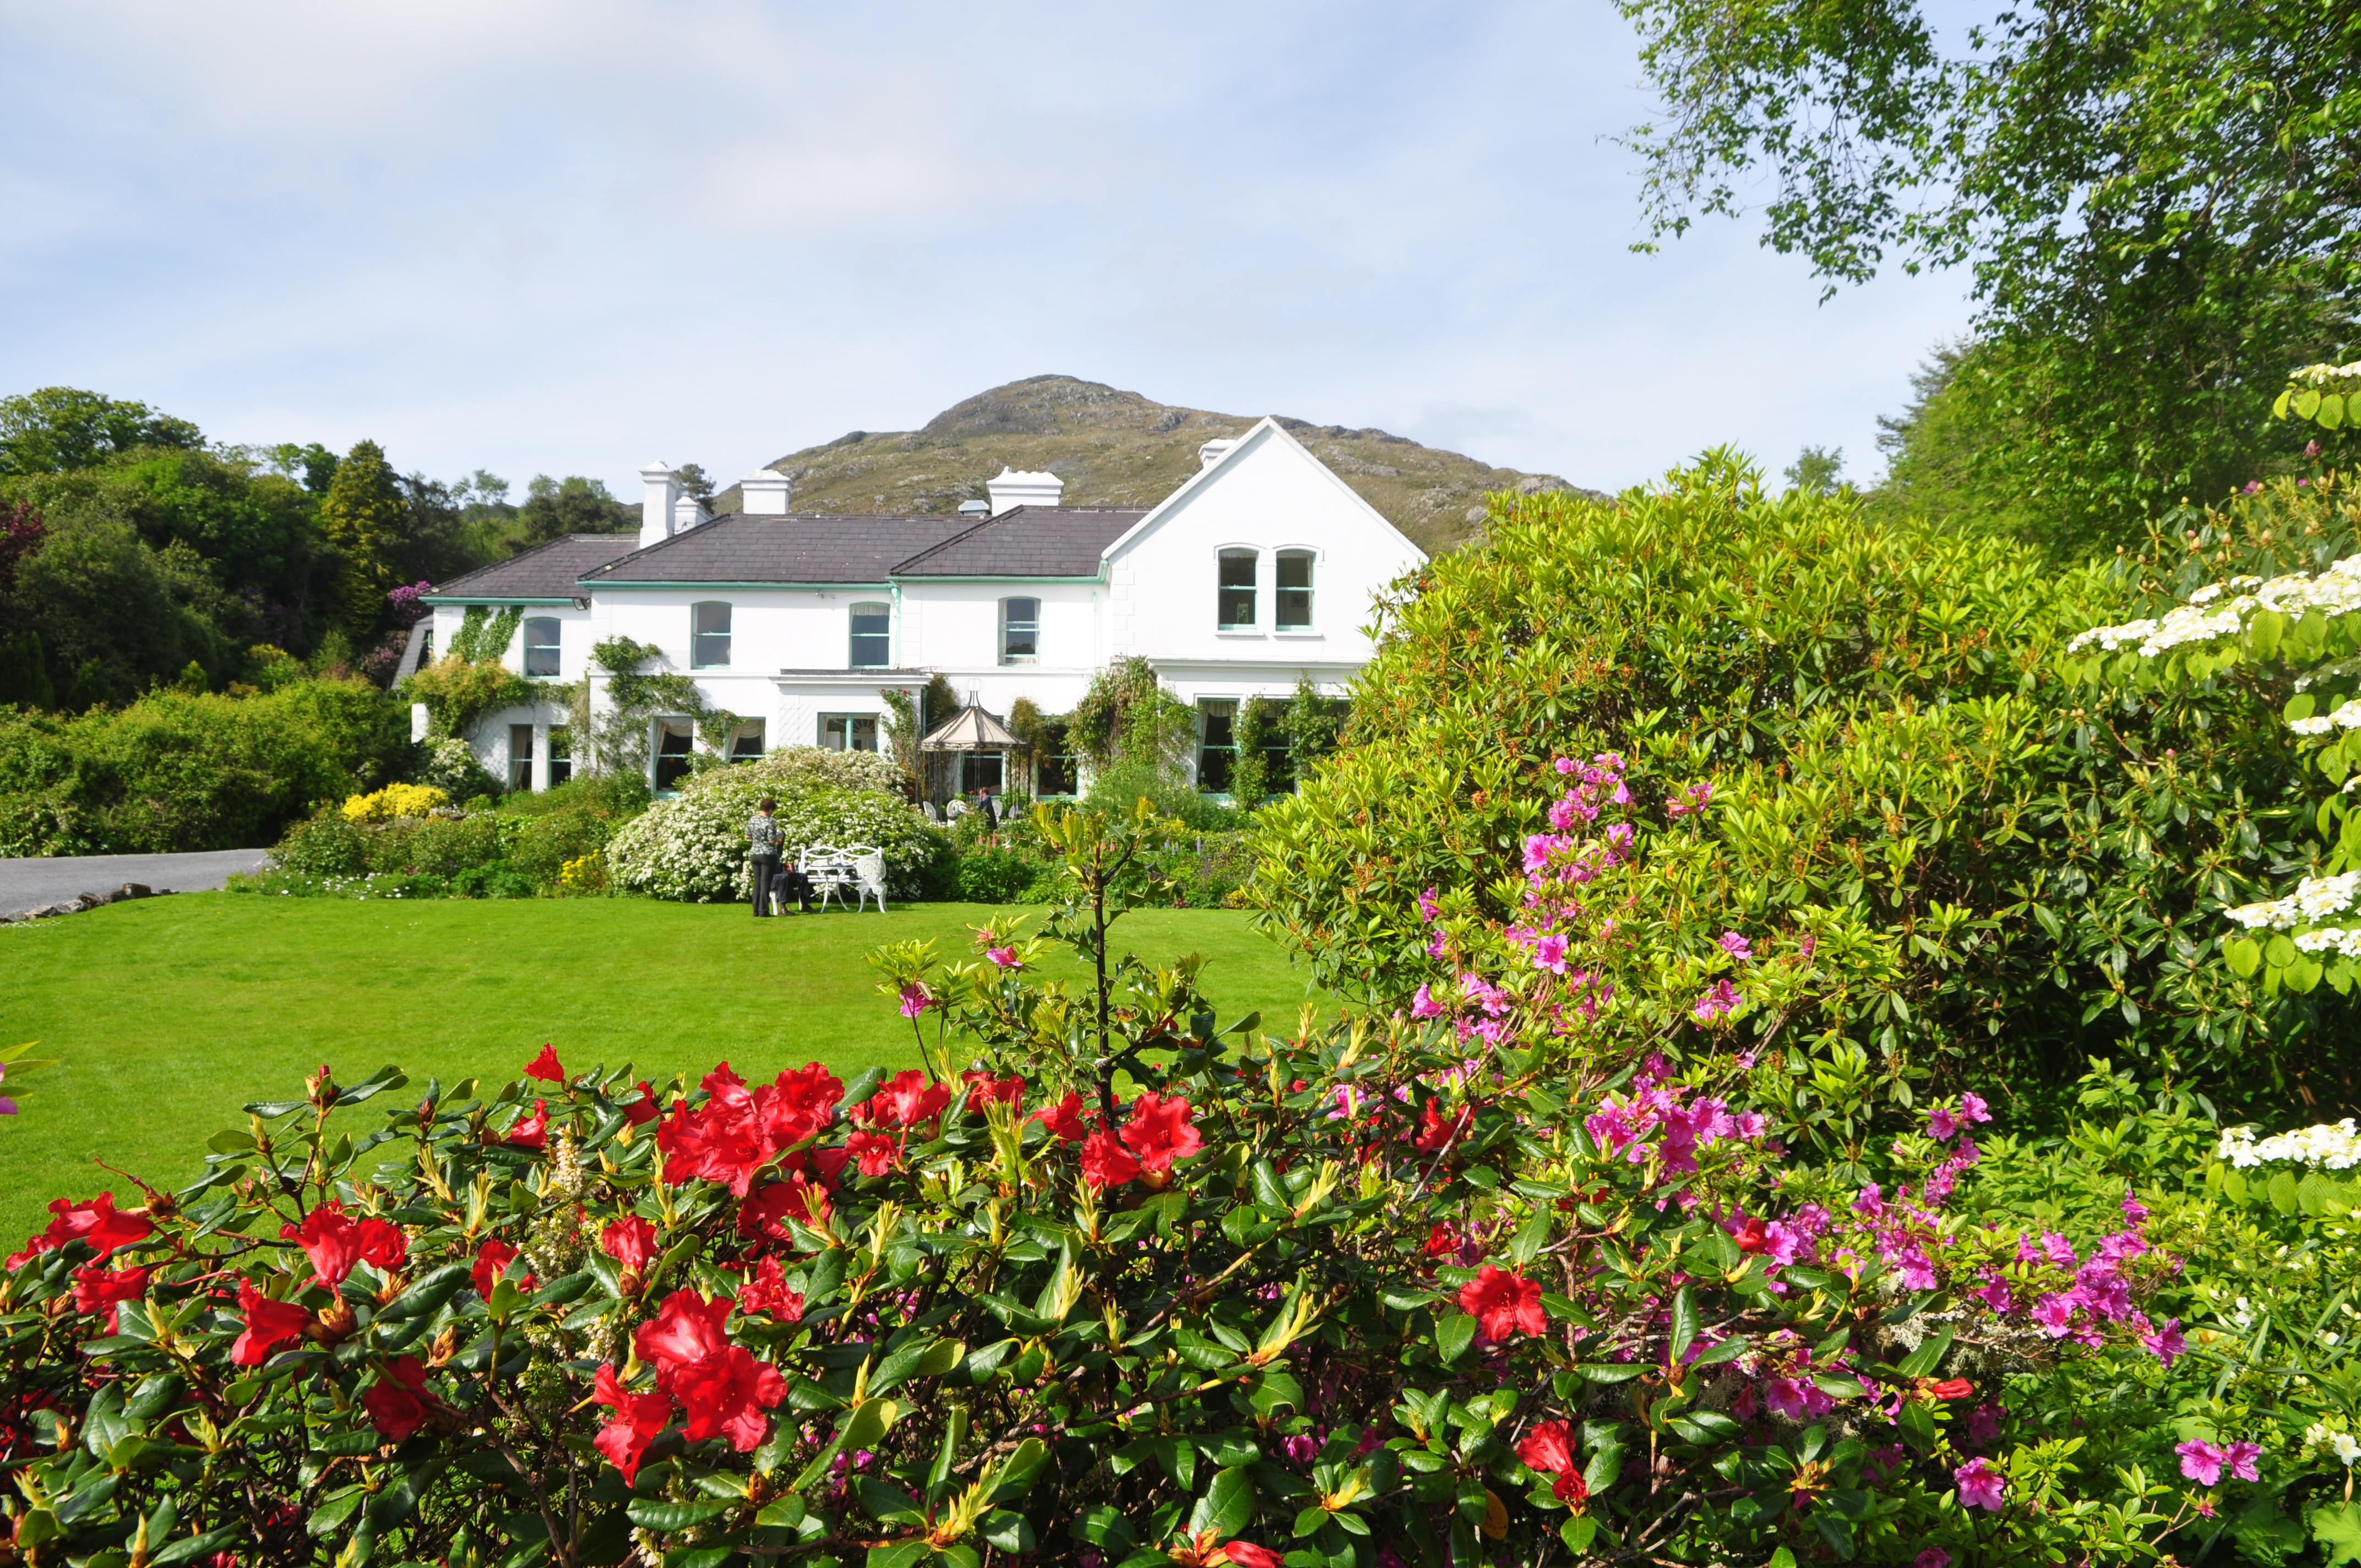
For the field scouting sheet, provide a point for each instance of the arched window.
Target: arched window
(1234, 610)
(709, 636)
(1294, 590)
(1020, 631)
(540, 645)
(873, 636)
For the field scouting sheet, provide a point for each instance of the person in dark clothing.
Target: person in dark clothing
(789, 882)
(764, 841)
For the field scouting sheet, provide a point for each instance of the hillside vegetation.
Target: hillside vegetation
(1117, 449)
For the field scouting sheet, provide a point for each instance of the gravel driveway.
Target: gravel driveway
(31, 883)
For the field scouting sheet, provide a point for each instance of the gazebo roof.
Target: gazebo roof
(970, 729)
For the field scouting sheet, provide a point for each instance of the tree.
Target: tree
(59, 428)
(24, 678)
(1819, 469)
(555, 508)
(693, 482)
(363, 516)
(2157, 203)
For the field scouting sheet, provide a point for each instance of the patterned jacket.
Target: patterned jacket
(765, 835)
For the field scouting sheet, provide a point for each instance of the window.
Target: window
(1295, 590)
(746, 745)
(674, 740)
(848, 731)
(540, 645)
(1217, 743)
(425, 644)
(521, 757)
(709, 636)
(982, 770)
(561, 754)
(1020, 631)
(873, 636)
(1236, 608)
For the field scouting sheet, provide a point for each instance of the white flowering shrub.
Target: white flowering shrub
(2332, 1146)
(692, 849)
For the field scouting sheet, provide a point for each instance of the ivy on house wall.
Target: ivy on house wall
(484, 637)
(635, 699)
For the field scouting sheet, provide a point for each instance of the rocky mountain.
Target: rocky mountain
(1117, 449)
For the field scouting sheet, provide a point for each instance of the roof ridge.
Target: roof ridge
(521, 555)
(964, 534)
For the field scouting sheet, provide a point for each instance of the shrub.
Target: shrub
(394, 800)
(329, 844)
(1550, 1268)
(995, 876)
(1114, 789)
(451, 767)
(1876, 718)
(179, 770)
(693, 847)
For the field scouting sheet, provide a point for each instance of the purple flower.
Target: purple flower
(1549, 953)
(1933, 1557)
(2241, 1457)
(2058, 1249)
(1424, 1005)
(1718, 1003)
(1941, 1124)
(1979, 1484)
(2201, 1461)
(1004, 957)
(1983, 1424)
(2135, 1212)
(1736, 946)
(2055, 1314)
(914, 1001)
(1429, 909)
(1971, 1108)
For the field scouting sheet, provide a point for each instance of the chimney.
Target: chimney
(688, 513)
(659, 488)
(1013, 489)
(763, 493)
(1212, 452)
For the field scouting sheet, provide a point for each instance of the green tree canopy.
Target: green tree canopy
(59, 428)
(554, 508)
(2157, 201)
(363, 515)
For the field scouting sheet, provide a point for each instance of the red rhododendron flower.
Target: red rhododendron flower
(1434, 1133)
(983, 1089)
(1753, 1236)
(1571, 1489)
(268, 1324)
(874, 1151)
(630, 1240)
(1247, 1555)
(638, 1420)
(1066, 1119)
(684, 1330)
(384, 1247)
(766, 1212)
(1952, 1388)
(398, 1403)
(95, 1222)
(905, 1099)
(330, 1239)
(800, 1103)
(97, 1289)
(531, 1131)
(726, 1393)
(492, 1260)
(545, 1066)
(1503, 1303)
(1160, 1133)
(830, 1164)
(1549, 1447)
(1105, 1162)
(644, 1110)
(766, 1291)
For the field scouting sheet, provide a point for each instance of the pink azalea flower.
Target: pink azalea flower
(2055, 1314)
(1933, 1557)
(1004, 957)
(1424, 1005)
(2241, 1457)
(1981, 1486)
(1430, 909)
(914, 1001)
(1549, 953)
(2135, 1212)
(1736, 946)
(1718, 1003)
(1971, 1108)
(2201, 1461)
(1941, 1124)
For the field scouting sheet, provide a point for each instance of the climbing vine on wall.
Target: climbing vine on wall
(636, 699)
(484, 637)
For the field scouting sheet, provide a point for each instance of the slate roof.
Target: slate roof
(748, 547)
(1027, 542)
(544, 572)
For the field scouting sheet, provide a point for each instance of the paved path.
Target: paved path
(29, 883)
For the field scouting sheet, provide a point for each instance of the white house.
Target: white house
(1254, 574)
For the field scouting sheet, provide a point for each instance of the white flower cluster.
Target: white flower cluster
(2343, 1444)
(2313, 900)
(692, 849)
(2336, 1148)
(2330, 940)
(2320, 376)
(2336, 591)
(2348, 717)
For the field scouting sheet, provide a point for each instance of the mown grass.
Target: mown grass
(168, 1015)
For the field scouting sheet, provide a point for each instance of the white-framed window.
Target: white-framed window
(1294, 608)
(561, 754)
(1020, 630)
(1217, 742)
(1235, 590)
(521, 758)
(746, 742)
(848, 731)
(540, 645)
(675, 746)
(871, 638)
(708, 635)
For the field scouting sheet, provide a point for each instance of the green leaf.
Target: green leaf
(1008, 1530)
(2303, 974)
(2307, 403)
(650, 1513)
(1228, 1504)
(1613, 1371)
(928, 1358)
(2338, 1530)
(1106, 1527)
(1685, 1325)
(1923, 1361)
(1453, 1335)
(2282, 1189)
(2246, 956)
(889, 1503)
(2332, 412)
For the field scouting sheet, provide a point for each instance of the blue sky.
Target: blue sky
(570, 237)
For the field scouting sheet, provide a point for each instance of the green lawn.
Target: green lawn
(168, 1015)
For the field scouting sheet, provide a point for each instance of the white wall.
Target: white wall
(1267, 495)
(955, 627)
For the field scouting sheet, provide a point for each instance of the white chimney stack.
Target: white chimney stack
(764, 493)
(659, 488)
(688, 513)
(1013, 489)
(1212, 452)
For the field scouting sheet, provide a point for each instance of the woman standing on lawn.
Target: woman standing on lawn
(765, 839)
